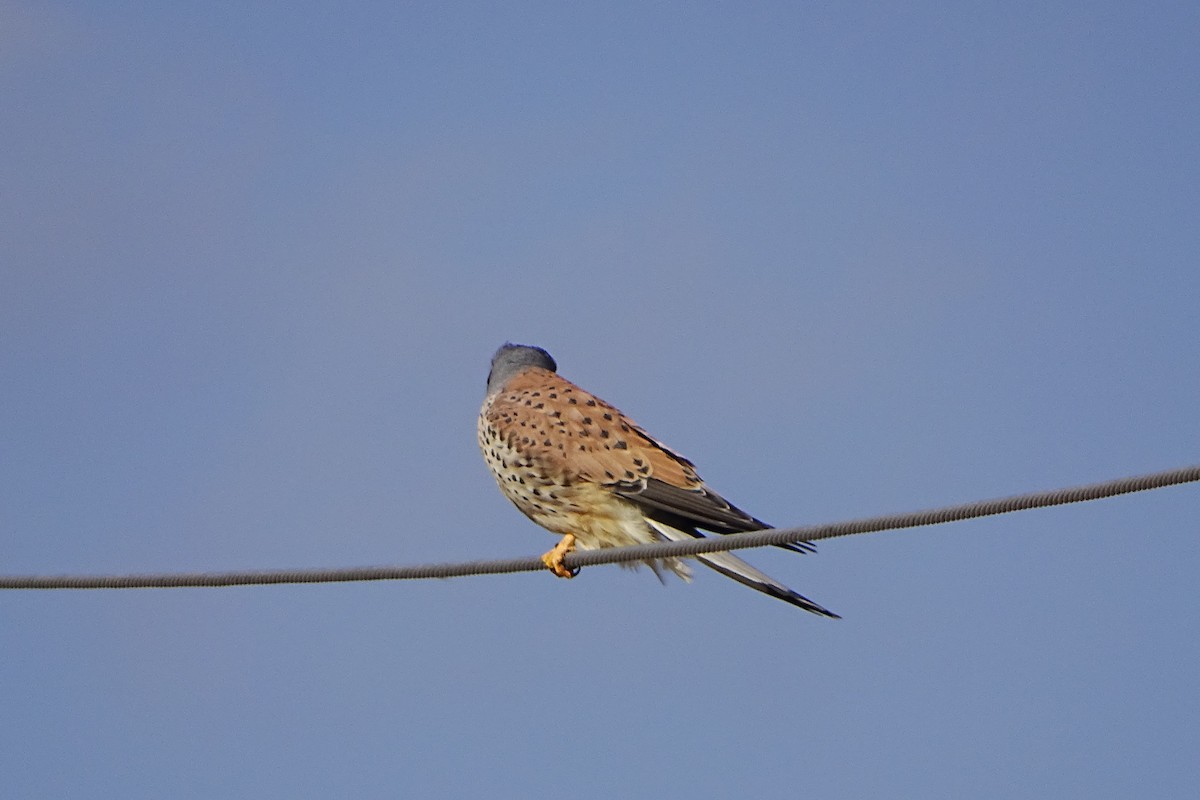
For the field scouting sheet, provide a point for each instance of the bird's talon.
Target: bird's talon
(555, 565)
(554, 559)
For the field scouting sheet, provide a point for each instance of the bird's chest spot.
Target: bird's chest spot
(532, 482)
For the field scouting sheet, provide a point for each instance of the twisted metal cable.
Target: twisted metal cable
(711, 544)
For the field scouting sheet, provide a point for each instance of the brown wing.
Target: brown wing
(575, 434)
(591, 439)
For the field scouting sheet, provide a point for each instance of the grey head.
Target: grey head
(512, 358)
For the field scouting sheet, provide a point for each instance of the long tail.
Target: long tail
(733, 567)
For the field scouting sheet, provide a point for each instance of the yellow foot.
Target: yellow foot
(554, 559)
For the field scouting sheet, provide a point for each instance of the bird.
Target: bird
(580, 468)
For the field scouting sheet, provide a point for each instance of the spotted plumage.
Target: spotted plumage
(578, 467)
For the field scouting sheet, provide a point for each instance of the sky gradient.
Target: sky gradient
(854, 259)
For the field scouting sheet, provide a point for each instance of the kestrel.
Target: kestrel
(578, 467)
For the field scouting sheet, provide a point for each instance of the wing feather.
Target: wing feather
(587, 438)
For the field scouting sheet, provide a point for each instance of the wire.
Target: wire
(736, 541)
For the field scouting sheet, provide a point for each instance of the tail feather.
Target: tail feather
(733, 567)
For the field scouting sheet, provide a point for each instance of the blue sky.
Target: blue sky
(850, 259)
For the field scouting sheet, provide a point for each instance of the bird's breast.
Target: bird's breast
(533, 477)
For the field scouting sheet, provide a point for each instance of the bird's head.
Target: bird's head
(511, 359)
